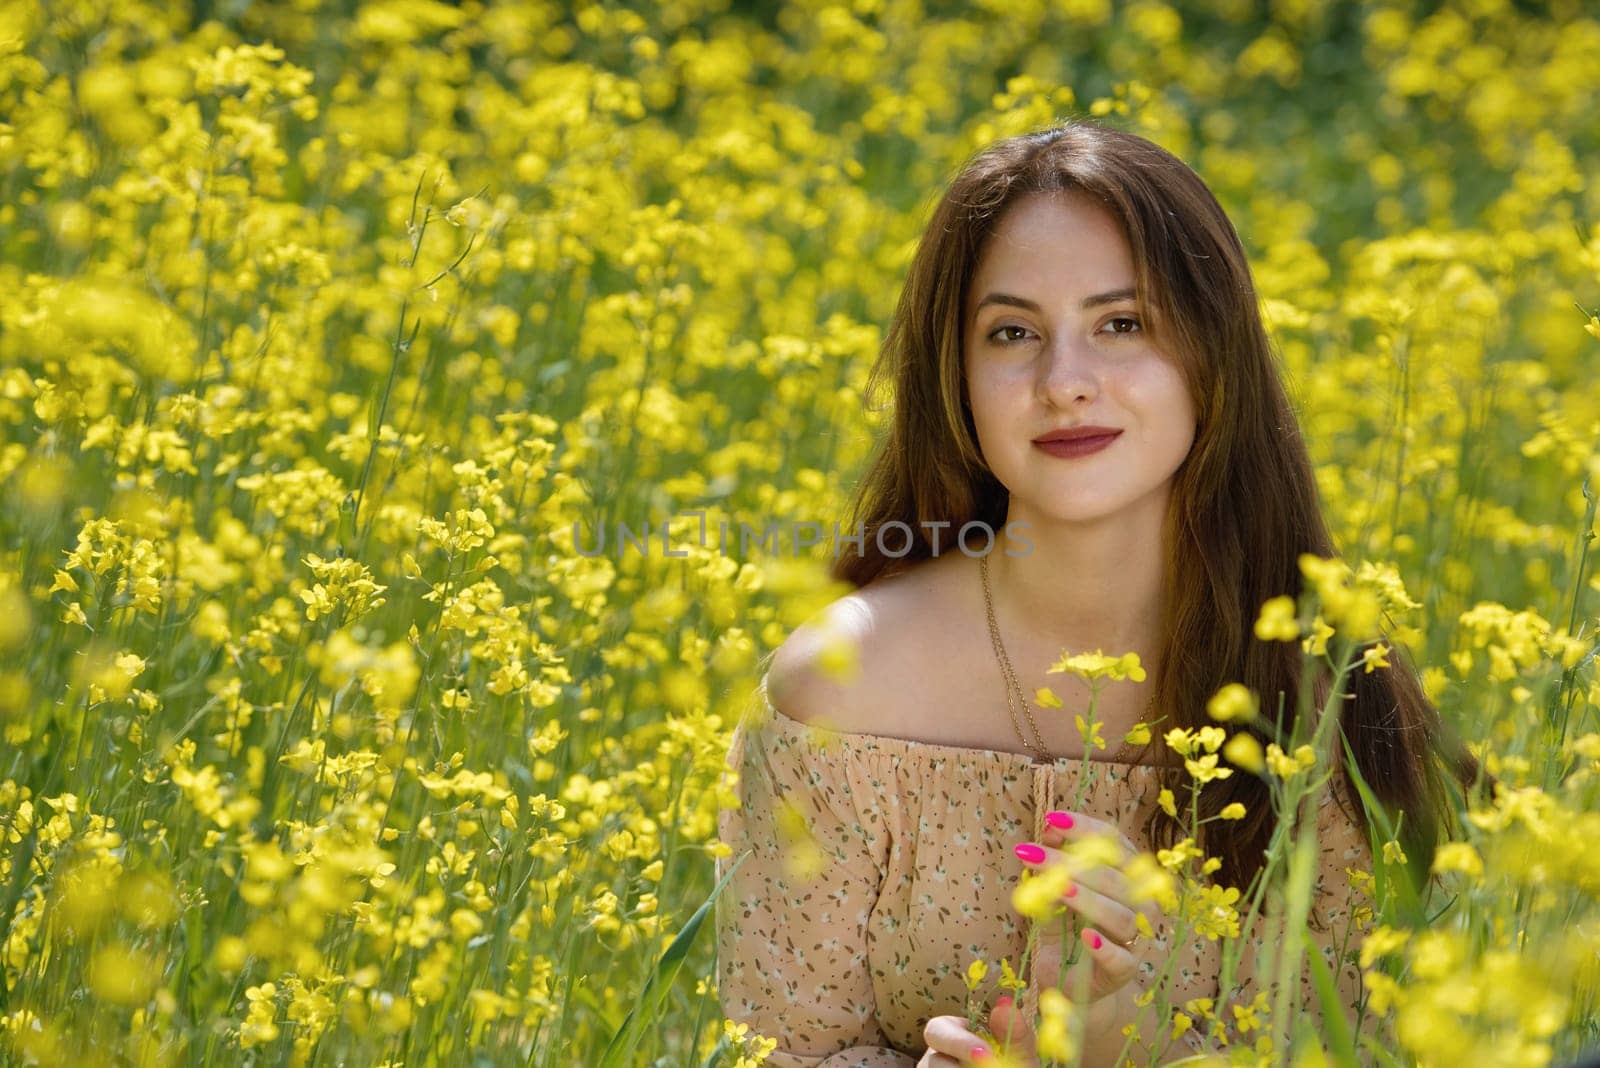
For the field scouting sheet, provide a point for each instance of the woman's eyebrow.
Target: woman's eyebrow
(1109, 297)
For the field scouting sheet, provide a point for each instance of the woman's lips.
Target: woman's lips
(1077, 446)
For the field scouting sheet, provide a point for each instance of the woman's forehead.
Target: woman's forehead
(1048, 248)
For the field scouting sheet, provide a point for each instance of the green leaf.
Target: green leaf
(1336, 1027)
(1409, 905)
(715, 1056)
(648, 1004)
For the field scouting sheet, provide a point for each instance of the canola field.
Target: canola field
(325, 328)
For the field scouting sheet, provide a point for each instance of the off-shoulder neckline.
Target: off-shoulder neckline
(912, 747)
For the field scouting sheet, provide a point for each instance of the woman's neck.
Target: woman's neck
(1083, 587)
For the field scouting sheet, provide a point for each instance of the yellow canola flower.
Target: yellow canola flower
(1458, 856)
(87, 895)
(1189, 742)
(1436, 955)
(1054, 1039)
(1285, 766)
(1090, 737)
(802, 856)
(258, 1027)
(123, 975)
(1568, 649)
(1038, 895)
(1434, 681)
(1212, 911)
(341, 581)
(1243, 750)
(1192, 744)
(1234, 701)
(1206, 768)
(1353, 610)
(1380, 942)
(839, 657)
(104, 312)
(388, 675)
(1149, 880)
(1180, 854)
(1093, 850)
(465, 923)
(110, 675)
(1316, 643)
(1097, 665)
(1277, 622)
(16, 617)
(1384, 581)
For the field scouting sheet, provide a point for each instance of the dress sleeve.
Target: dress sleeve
(792, 958)
(1340, 917)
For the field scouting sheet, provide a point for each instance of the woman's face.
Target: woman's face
(1054, 337)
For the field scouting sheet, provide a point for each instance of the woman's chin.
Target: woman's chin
(1080, 516)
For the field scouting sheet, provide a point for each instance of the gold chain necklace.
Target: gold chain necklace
(1014, 692)
(1013, 688)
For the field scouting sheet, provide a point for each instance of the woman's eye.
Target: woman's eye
(995, 335)
(1121, 324)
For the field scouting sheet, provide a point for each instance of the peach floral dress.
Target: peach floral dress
(910, 880)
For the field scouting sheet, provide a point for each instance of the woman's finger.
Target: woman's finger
(1103, 964)
(1061, 827)
(1109, 882)
(1012, 1030)
(949, 1036)
(1113, 965)
(1100, 894)
(1115, 918)
(1106, 880)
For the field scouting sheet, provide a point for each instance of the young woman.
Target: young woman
(1079, 365)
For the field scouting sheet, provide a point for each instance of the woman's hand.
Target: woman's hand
(1102, 898)
(952, 1043)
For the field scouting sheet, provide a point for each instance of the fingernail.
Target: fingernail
(1059, 819)
(1002, 1001)
(979, 1053)
(1094, 939)
(1030, 853)
(1072, 890)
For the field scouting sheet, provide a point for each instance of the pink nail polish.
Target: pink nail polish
(979, 1053)
(1072, 890)
(1095, 941)
(1062, 820)
(1002, 1001)
(1030, 853)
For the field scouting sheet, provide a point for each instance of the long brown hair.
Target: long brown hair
(1244, 505)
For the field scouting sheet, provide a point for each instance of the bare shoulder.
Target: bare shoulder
(891, 627)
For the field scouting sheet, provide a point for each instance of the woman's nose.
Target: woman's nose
(1068, 375)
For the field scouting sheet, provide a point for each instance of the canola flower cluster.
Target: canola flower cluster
(325, 325)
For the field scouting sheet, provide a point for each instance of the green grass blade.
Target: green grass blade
(648, 1005)
(1337, 1028)
(1400, 876)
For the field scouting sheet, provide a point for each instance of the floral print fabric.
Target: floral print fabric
(881, 867)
